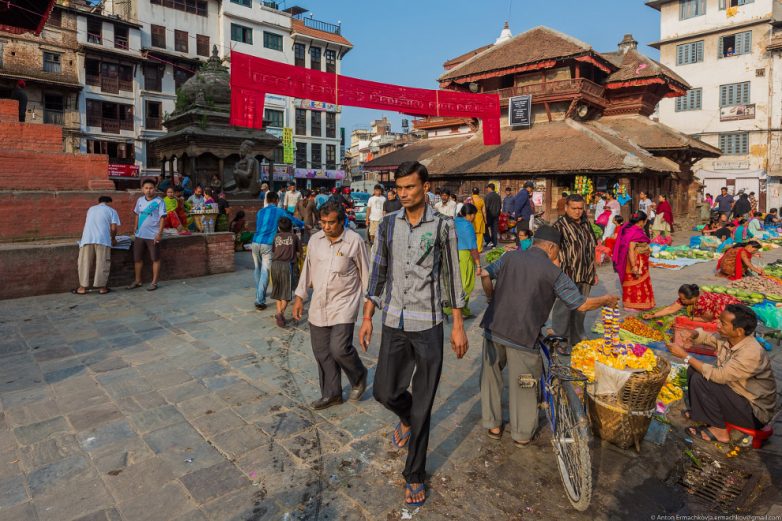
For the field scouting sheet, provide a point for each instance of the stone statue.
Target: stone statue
(247, 171)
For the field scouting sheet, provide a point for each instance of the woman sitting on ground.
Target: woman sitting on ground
(741, 234)
(238, 227)
(755, 227)
(699, 306)
(734, 262)
(740, 389)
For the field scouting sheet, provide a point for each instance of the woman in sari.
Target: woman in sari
(755, 228)
(631, 263)
(741, 234)
(469, 259)
(479, 223)
(663, 221)
(737, 261)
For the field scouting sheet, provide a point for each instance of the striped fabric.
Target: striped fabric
(415, 270)
(577, 249)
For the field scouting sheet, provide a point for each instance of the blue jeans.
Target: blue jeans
(262, 258)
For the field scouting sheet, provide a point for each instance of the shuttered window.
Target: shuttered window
(734, 94)
(734, 143)
(690, 101)
(734, 3)
(691, 8)
(689, 53)
(735, 44)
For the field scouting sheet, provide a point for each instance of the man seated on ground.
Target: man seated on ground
(721, 229)
(772, 218)
(526, 280)
(740, 389)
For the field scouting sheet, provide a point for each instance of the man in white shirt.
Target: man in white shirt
(375, 212)
(446, 206)
(292, 197)
(337, 270)
(100, 231)
(150, 213)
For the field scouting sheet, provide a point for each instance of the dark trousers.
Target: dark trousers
(492, 230)
(406, 355)
(334, 352)
(716, 404)
(568, 323)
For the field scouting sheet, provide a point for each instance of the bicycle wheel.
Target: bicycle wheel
(571, 447)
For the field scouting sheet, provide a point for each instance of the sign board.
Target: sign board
(316, 105)
(123, 170)
(520, 111)
(280, 173)
(310, 173)
(730, 165)
(737, 112)
(287, 145)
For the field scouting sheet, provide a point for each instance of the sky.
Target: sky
(405, 42)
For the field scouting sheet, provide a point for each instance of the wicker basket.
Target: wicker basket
(623, 418)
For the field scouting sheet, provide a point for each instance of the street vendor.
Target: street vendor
(737, 259)
(740, 389)
(528, 283)
(699, 306)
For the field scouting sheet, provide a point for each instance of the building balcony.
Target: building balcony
(109, 84)
(319, 25)
(154, 123)
(53, 117)
(110, 125)
(551, 91)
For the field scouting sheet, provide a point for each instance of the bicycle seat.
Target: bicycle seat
(558, 343)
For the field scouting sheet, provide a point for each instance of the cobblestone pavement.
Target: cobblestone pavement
(187, 404)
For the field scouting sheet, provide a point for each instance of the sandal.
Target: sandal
(697, 433)
(400, 441)
(104, 291)
(494, 435)
(687, 414)
(413, 492)
(76, 291)
(152, 287)
(134, 285)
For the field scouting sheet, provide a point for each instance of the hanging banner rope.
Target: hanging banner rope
(252, 78)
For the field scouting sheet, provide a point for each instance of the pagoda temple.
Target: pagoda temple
(588, 118)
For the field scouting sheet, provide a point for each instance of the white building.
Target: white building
(134, 54)
(721, 48)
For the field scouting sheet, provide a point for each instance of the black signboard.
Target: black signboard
(520, 111)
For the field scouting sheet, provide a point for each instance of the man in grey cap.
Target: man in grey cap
(527, 281)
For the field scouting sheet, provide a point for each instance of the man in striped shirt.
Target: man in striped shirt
(266, 222)
(577, 260)
(414, 273)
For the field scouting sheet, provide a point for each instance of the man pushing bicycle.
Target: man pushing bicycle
(527, 284)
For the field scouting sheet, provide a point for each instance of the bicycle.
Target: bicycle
(566, 413)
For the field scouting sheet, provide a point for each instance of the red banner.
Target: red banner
(252, 78)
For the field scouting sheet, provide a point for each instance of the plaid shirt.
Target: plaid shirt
(415, 270)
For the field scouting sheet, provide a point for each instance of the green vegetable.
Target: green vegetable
(494, 254)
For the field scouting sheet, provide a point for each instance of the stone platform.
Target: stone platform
(40, 268)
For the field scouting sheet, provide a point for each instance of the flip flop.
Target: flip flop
(699, 434)
(152, 287)
(134, 285)
(76, 291)
(403, 439)
(414, 491)
(104, 291)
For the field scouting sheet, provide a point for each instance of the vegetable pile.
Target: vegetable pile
(637, 327)
(494, 254)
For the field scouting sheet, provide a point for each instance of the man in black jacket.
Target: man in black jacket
(493, 209)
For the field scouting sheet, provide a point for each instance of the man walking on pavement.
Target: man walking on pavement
(493, 209)
(414, 273)
(266, 222)
(528, 280)
(100, 232)
(507, 201)
(336, 268)
(375, 211)
(577, 260)
(522, 205)
(446, 206)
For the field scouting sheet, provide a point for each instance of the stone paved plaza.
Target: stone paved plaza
(186, 404)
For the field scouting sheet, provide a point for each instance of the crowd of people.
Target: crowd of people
(420, 264)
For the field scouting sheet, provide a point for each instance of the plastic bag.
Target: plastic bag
(695, 242)
(769, 314)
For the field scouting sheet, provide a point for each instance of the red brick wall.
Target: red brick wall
(37, 138)
(26, 170)
(26, 216)
(250, 207)
(9, 111)
(28, 269)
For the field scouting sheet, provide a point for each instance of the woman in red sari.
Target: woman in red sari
(737, 261)
(631, 263)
